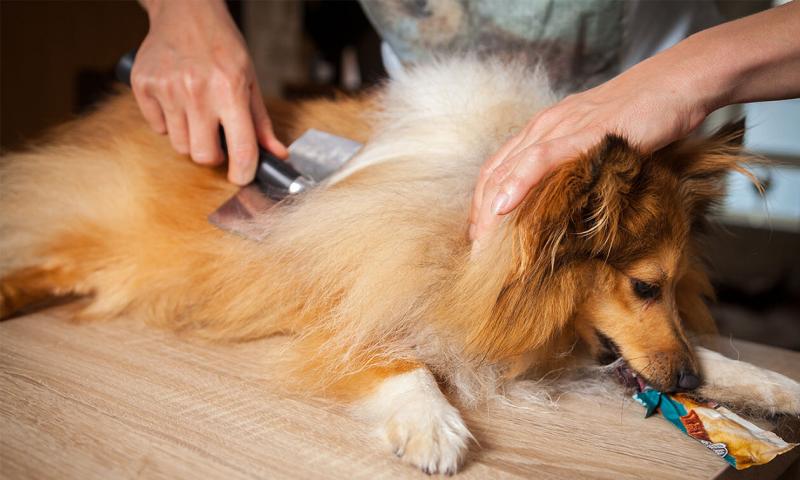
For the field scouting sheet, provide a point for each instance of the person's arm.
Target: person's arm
(193, 73)
(654, 103)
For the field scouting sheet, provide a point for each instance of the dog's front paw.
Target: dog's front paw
(780, 394)
(420, 425)
(429, 435)
(745, 385)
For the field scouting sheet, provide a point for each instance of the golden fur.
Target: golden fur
(373, 273)
(106, 208)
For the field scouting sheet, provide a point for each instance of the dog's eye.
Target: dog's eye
(644, 290)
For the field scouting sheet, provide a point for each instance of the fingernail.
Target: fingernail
(279, 149)
(500, 202)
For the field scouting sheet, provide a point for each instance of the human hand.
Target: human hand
(193, 73)
(643, 104)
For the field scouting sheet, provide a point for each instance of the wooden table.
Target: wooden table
(119, 400)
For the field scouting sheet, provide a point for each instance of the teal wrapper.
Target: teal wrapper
(656, 401)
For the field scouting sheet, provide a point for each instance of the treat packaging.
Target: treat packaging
(733, 438)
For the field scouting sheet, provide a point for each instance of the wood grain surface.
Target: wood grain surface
(120, 400)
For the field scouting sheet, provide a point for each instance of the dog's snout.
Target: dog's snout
(688, 380)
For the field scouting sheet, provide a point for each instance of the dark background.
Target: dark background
(56, 56)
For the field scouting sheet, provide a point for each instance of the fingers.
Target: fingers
(518, 174)
(188, 115)
(151, 110)
(485, 220)
(240, 135)
(204, 137)
(143, 91)
(162, 107)
(527, 168)
(177, 125)
(545, 125)
(536, 128)
(263, 125)
(533, 163)
(487, 170)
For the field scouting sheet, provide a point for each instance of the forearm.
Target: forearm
(653, 104)
(756, 58)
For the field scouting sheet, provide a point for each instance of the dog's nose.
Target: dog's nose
(688, 380)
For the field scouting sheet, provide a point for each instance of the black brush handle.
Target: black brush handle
(124, 67)
(273, 173)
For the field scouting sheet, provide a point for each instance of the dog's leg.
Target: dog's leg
(29, 286)
(417, 421)
(747, 386)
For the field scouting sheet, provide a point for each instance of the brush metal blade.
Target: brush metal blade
(237, 213)
(316, 155)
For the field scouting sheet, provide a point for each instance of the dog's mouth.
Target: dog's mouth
(612, 358)
(627, 376)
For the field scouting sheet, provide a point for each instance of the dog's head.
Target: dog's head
(607, 245)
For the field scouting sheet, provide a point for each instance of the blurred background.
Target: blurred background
(57, 59)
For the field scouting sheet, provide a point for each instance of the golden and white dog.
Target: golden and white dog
(372, 273)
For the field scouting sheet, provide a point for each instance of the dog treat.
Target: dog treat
(733, 438)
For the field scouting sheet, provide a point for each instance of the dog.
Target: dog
(372, 273)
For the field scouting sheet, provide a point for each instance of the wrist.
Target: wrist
(693, 71)
(671, 84)
(157, 9)
(711, 74)
(152, 8)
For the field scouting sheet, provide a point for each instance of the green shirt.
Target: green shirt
(577, 40)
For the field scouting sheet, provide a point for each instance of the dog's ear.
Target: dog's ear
(702, 166)
(731, 134)
(571, 212)
(576, 209)
(617, 171)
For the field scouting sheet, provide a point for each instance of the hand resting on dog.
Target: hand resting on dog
(656, 102)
